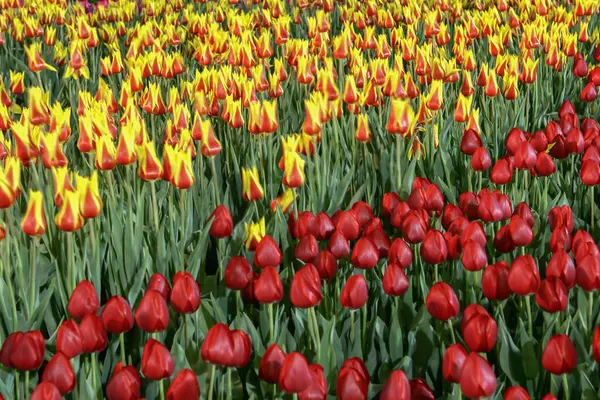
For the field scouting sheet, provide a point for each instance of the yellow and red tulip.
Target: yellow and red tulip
(149, 166)
(34, 220)
(90, 202)
(251, 188)
(284, 201)
(68, 218)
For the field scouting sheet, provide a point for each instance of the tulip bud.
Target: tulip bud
(494, 282)
(365, 254)
(348, 225)
(559, 356)
(481, 160)
(93, 334)
(433, 248)
(68, 339)
(479, 330)
(395, 282)
(420, 390)
(318, 386)
(267, 253)
(596, 344)
(397, 387)
(400, 253)
(184, 386)
(353, 380)
(152, 314)
(157, 362)
(453, 362)
(524, 277)
(474, 257)
(238, 273)
(414, 227)
(185, 295)
(516, 393)
(552, 295)
(268, 288)
(159, 283)
(271, 364)
(339, 245)
(89, 196)
(68, 218)
(326, 264)
(521, 233)
(83, 300)
(125, 383)
(355, 293)
(307, 249)
(60, 372)
(222, 225)
(117, 315)
(46, 391)
(477, 378)
(441, 302)
(389, 203)
(34, 220)
(325, 227)
(305, 290)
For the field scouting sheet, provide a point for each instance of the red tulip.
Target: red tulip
(453, 245)
(494, 282)
(267, 253)
(125, 383)
(470, 142)
(307, 249)
(46, 391)
(580, 68)
(355, 293)
(419, 390)
(480, 331)
(271, 363)
(549, 396)
(268, 287)
(474, 232)
(481, 160)
(184, 386)
(502, 172)
(389, 203)
(363, 213)
(157, 361)
(84, 300)
(477, 378)
(525, 156)
(590, 172)
(348, 225)
(414, 227)
(305, 290)
(451, 213)
(453, 361)
(117, 315)
(398, 214)
(152, 314)
(353, 380)
(552, 296)
(523, 211)
(326, 264)
(521, 233)
(561, 266)
(502, 240)
(365, 254)
(238, 273)
(325, 227)
(317, 390)
(395, 282)
(68, 339)
(60, 372)
(539, 141)
(441, 302)
(596, 344)
(474, 257)
(217, 347)
(516, 393)
(93, 334)
(185, 296)
(339, 245)
(248, 292)
(561, 216)
(159, 283)
(7, 348)
(469, 204)
(400, 253)
(295, 375)
(222, 224)
(588, 272)
(574, 142)
(433, 248)
(589, 93)
(524, 277)
(306, 224)
(397, 387)
(559, 356)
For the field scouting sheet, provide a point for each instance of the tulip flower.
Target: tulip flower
(17, 82)
(596, 344)
(34, 220)
(326, 264)
(46, 391)
(353, 380)
(284, 201)
(149, 166)
(124, 384)
(68, 339)
(159, 283)
(414, 227)
(251, 187)
(60, 372)
(420, 390)
(307, 249)
(93, 334)
(152, 314)
(157, 362)
(184, 386)
(365, 254)
(305, 290)
(238, 273)
(348, 225)
(400, 254)
(268, 288)
(494, 282)
(524, 277)
(521, 233)
(434, 249)
(68, 218)
(23, 351)
(479, 330)
(318, 386)
(559, 356)
(254, 234)
(185, 295)
(363, 132)
(397, 387)
(229, 348)
(441, 302)
(271, 364)
(389, 203)
(477, 378)
(516, 393)
(83, 300)
(453, 362)
(117, 315)
(222, 224)
(355, 293)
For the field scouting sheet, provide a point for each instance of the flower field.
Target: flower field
(304, 199)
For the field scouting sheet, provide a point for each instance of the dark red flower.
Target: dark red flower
(521, 233)
(68, 339)
(590, 173)
(434, 249)
(481, 160)
(451, 213)
(559, 356)
(523, 211)
(157, 361)
(295, 375)
(363, 213)
(339, 245)
(544, 164)
(479, 329)
(525, 156)
(453, 361)
(60, 372)
(117, 315)
(83, 300)
(494, 282)
(152, 314)
(474, 257)
(588, 272)
(268, 287)
(238, 273)
(305, 290)
(125, 383)
(502, 171)
(453, 245)
(325, 226)
(353, 380)
(400, 253)
(552, 296)
(470, 142)
(306, 224)
(46, 391)
(348, 225)
(474, 232)
(222, 224)
(184, 386)
(317, 390)
(524, 277)
(185, 296)
(562, 215)
(389, 203)
(441, 302)
(398, 215)
(589, 93)
(271, 363)
(307, 249)
(267, 253)
(516, 393)
(560, 239)
(93, 334)
(419, 390)
(326, 264)
(395, 282)
(365, 254)
(355, 293)
(159, 283)
(596, 344)
(396, 387)
(414, 227)
(477, 379)
(561, 266)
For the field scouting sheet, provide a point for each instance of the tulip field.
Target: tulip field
(299, 199)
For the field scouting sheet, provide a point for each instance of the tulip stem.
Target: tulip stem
(26, 388)
(229, 385)
(398, 164)
(162, 389)
(216, 184)
(9, 284)
(94, 375)
(32, 270)
(317, 334)
(593, 207)
(449, 322)
(271, 324)
(70, 269)
(18, 384)
(352, 337)
(591, 310)
(183, 226)
(529, 320)
(122, 346)
(565, 387)
(213, 369)
(154, 204)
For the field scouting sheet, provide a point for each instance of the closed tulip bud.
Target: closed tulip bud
(433, 248)
(480, 332)
(399, 214)
(524, 277)
(552, 295)
(68, 218)
(152, 314)
(93, 334)
(481, 160)
(149, 166)
(23, 351)
(469, 204)
(477, 379)
(325, 227)
(560, 239)
(561, 266)
(242, 348)
(400, 253)
(184, 386)
(60, 372)
(34, 220)
(89, 196)
(389, 203)
(414, 227)
(420, 390)
(355, 293)
(218, 346)
(353, 380)
(185, 295)
(441, 302)
(317, 390)
(539, 141)
(271, 363)
(251, 187)
(523, 211)
(559, 356)
(348, 225)
(397, 387)
(124, 384)
(365, 254)
(494, 282)
(453, 245)
(159, 283)
(339, 245)
(474, 257)
(302, 225)
(294, 376)
(363, 212)
(157, 361)
(544, 165)
(238, 273)
(268, 288)
(588, 272)
(574, 141)
(451, 212)
(307, 249)
(375, 233)
(395, 282)
(516, 393)
(305, 290)
(68, 339)
(117, 315)
(589, 93)
(470, 142)
(7, 348)
(521, 233)
(222, 225)
(525, 156)
(453, 361)
(46, 391)
(502, 172)
(83, 300)
(596, 344)
(326, 265)
(267, 253)
(561, 216)
(590, 172)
